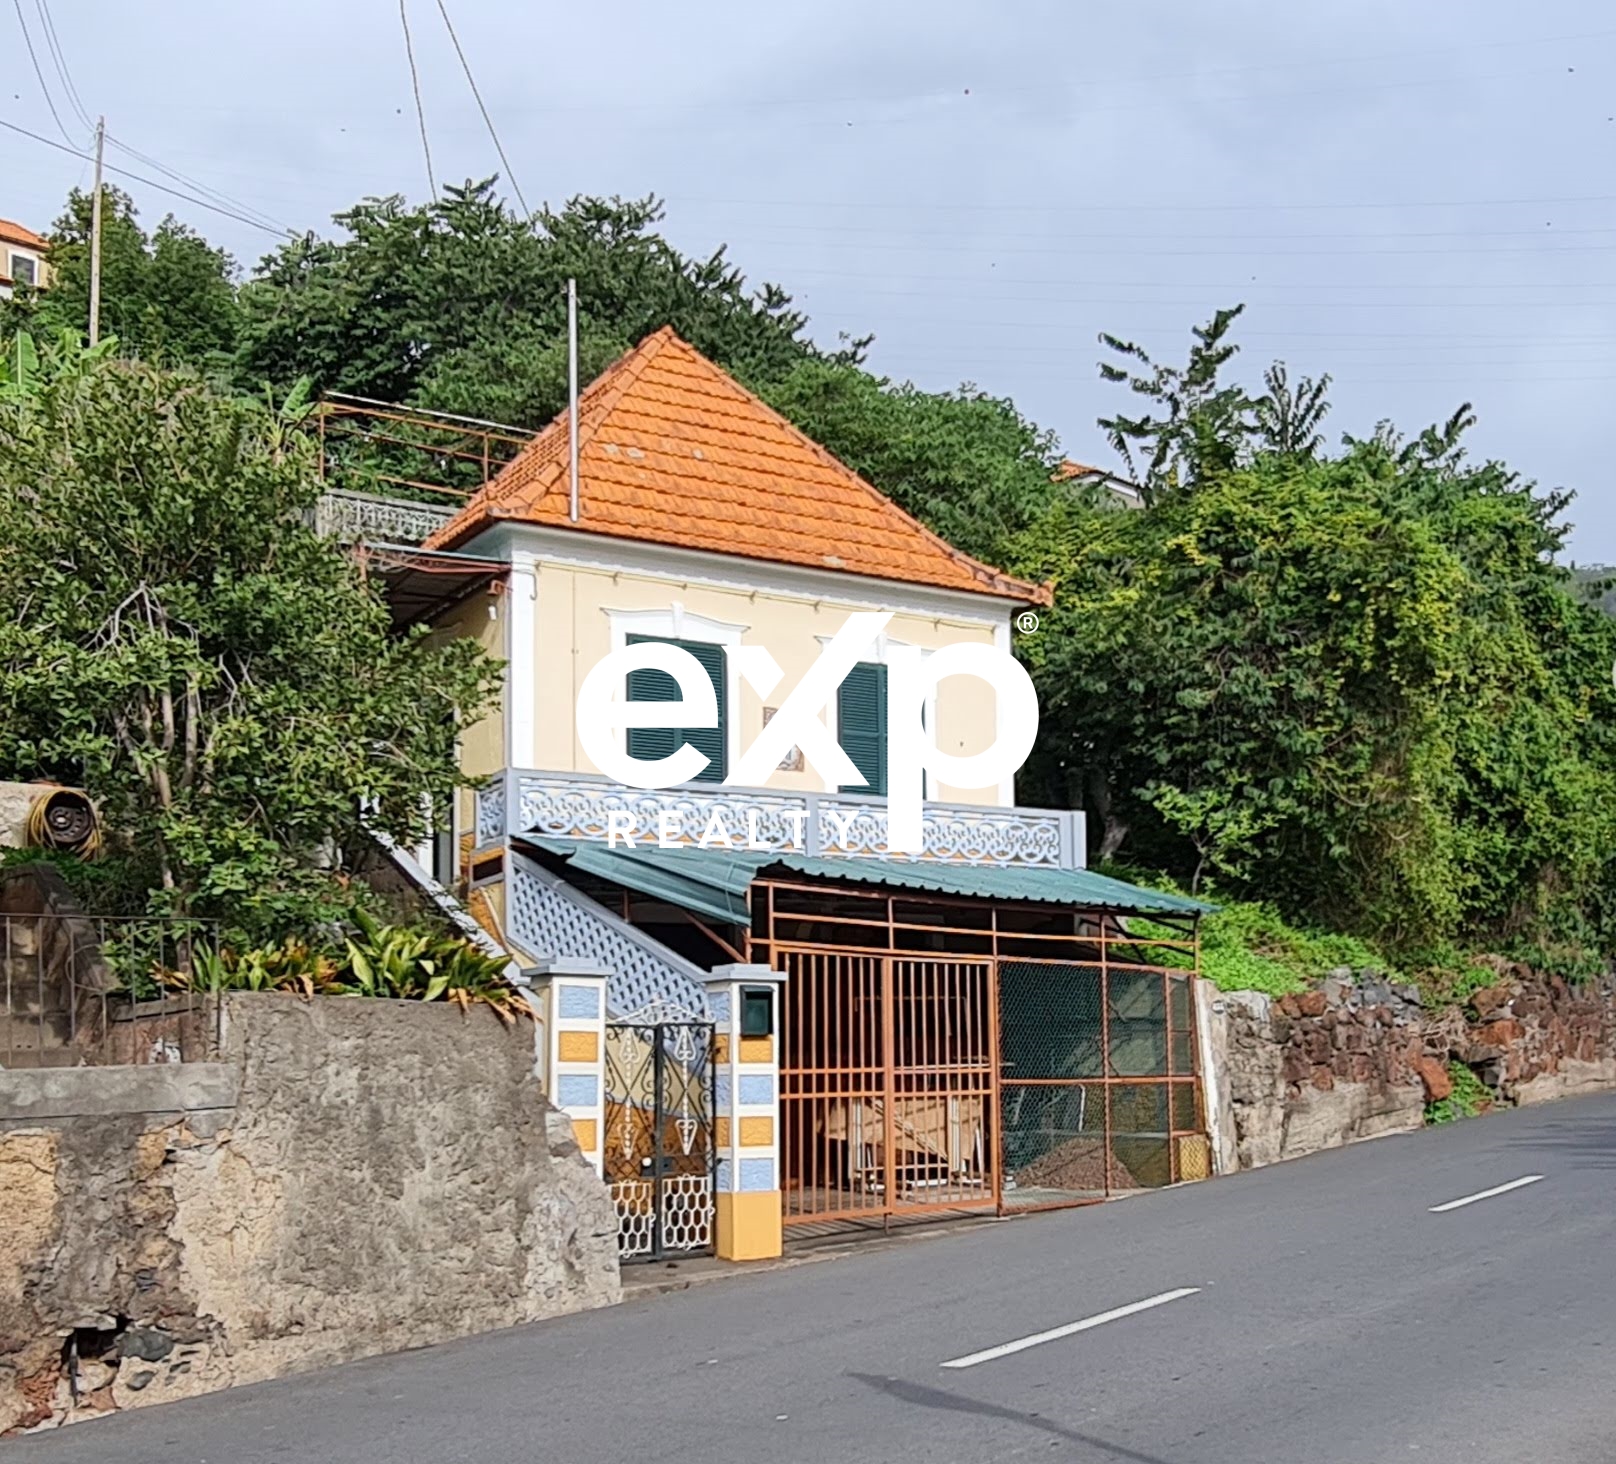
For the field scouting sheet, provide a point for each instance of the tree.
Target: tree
(168, 297)
(1357, 686)
(965, 463)
(176, 638)
(1200, 424)
(1288, 418)
(460, 305)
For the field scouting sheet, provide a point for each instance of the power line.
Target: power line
(240, 218)
(488, 121)
(28, 41)
(267, 221)
(415, 86)
(59, 58)
(1089, 210)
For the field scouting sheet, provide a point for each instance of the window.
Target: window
(657, 742)
(861, 724)
(23, 269)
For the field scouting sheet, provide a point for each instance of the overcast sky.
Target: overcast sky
(1419, 198)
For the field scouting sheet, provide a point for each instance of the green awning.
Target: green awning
(714, 882)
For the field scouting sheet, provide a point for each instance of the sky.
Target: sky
(1419, 199)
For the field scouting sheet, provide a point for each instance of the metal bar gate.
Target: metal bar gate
(660, 1157)
(888, 1086)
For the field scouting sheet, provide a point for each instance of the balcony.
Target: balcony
(841, 825)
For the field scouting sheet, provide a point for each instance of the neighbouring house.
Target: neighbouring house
(801, 1029)
(1124, 493)
(22, 258)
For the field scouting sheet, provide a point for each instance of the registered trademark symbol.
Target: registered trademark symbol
(1026, 622)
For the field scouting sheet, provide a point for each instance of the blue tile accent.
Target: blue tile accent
(578, 1002)
(577, 1090)
(757, 1174)
(718, 1004)
(722, 1180)
(721, 1103)
(757, 1088)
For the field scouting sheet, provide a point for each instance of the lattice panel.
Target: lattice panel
(548, 917)
(687, 1214)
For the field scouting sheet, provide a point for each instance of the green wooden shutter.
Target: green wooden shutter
(658, 742)
(861, 724)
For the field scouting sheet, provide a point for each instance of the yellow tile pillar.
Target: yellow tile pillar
(568, 997)
(745, 1005)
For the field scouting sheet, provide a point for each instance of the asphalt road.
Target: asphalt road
(1334, 1317)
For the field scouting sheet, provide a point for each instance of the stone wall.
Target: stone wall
(1360, 1056)
(353, 1177)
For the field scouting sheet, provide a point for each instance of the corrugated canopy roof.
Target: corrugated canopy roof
(714, 882)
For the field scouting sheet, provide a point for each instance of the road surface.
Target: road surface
(1335, 1310)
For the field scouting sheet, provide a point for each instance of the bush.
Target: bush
(387, 961)
(1248, 946)
(1470, 1096)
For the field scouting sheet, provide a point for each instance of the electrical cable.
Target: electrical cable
(415, 86)
(59, 59)
(153, 183)
(266, 220)
(33, 56)
(488, 121)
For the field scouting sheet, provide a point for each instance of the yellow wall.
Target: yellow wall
(482, 744)
(573, 632)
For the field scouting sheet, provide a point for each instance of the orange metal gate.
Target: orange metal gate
(888, 1085)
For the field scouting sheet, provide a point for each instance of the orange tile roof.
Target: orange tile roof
(672, 450)
(16, 234)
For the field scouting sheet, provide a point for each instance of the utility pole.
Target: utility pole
(95, 234)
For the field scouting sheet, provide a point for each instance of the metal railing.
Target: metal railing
(93, 991)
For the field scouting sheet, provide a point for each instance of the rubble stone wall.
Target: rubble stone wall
(1361, 1056)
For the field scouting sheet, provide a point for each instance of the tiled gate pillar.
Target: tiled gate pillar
(569, 996)
(745, 1005)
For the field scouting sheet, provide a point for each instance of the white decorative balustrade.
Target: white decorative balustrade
(342, 514)
(837, 825)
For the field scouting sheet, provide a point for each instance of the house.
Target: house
(1123, 493)
(970, 1027)
(22, 258)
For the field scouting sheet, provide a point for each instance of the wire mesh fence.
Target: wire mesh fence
(1099, 1091)
(79, 990)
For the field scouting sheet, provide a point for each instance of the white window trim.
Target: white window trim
(677, 623)
(521, 662)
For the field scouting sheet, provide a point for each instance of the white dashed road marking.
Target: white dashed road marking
(1071, 1328)
(1502, 1189)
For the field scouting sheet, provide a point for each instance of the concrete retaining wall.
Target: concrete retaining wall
(354, 1177)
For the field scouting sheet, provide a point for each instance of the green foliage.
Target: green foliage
(1470, 1096)
(460, 305)
(168, 296)
(1206, 425)
(381, 961)
(1357, 687)
(1247, 945)
(965, 463)
(175, 638)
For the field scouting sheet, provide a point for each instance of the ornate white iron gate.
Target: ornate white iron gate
(660, 1156)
